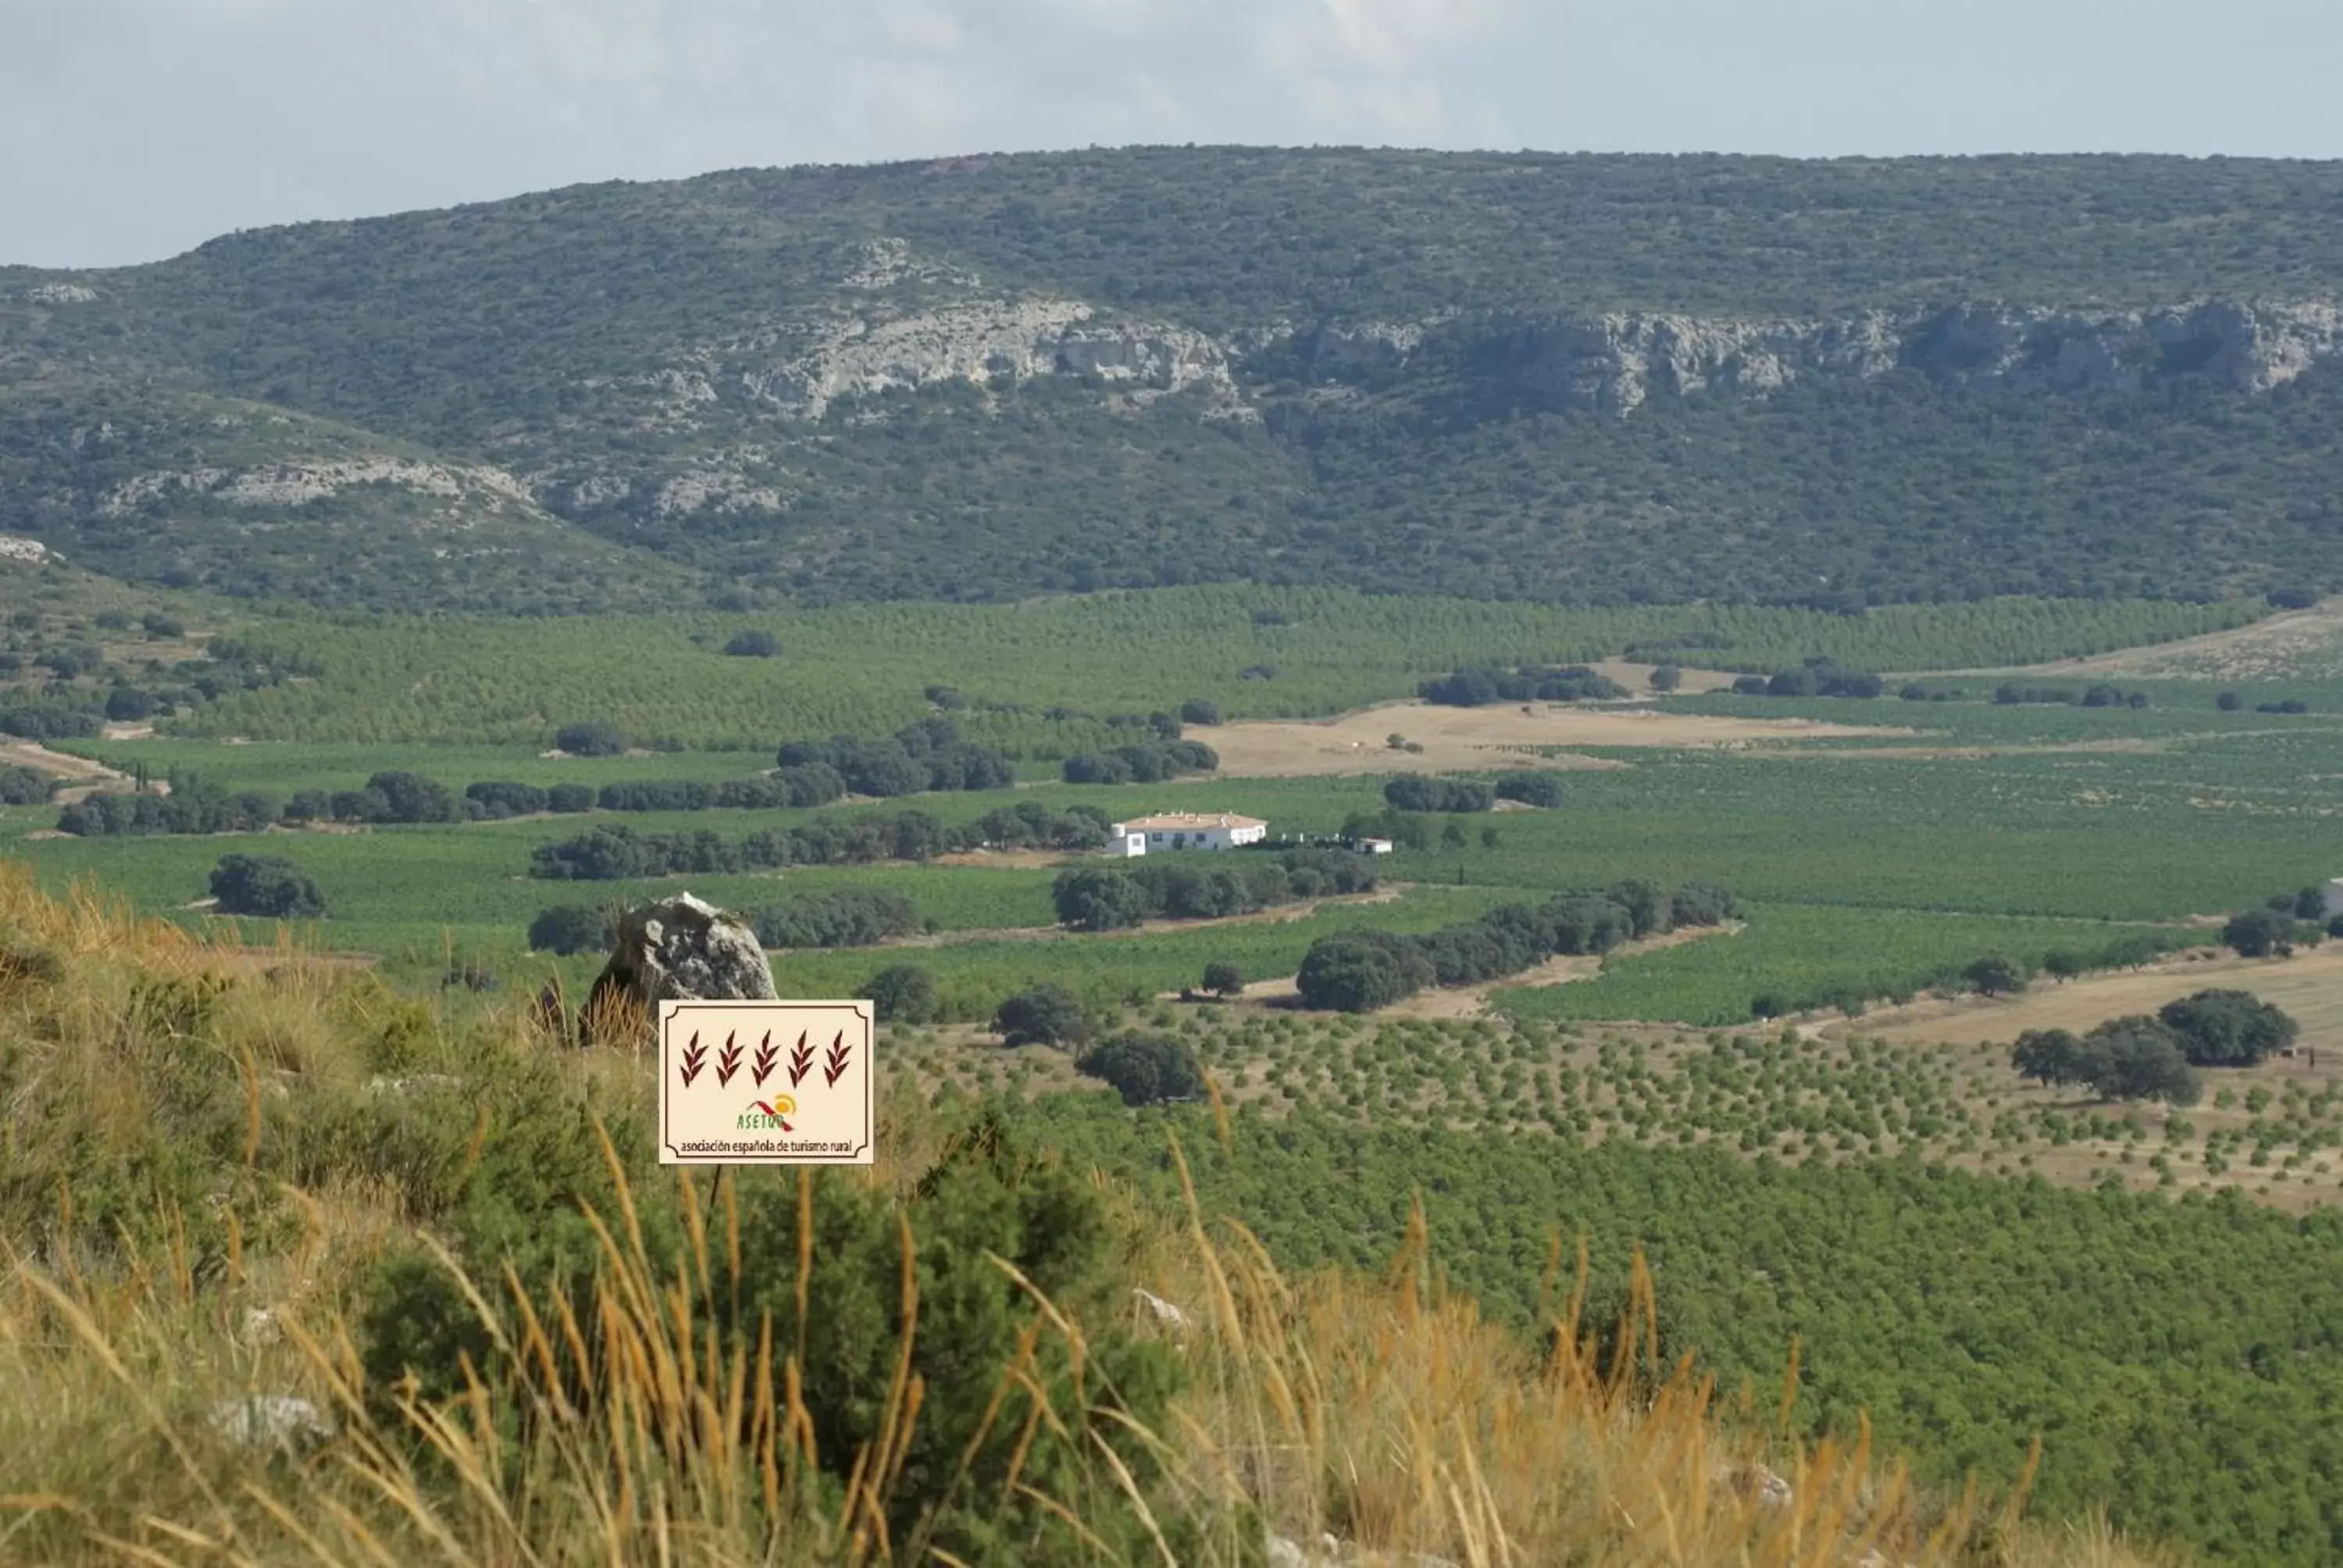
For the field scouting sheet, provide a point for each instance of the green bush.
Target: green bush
(982, 1199)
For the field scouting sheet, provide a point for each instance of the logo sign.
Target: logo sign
(765, 1082)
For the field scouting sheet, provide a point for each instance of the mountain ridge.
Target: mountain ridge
(986, 377)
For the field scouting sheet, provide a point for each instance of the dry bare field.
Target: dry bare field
(1503, 735)
(82, 777)
(2309, 986)
(1638, 677)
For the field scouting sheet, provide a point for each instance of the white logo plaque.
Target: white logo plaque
(765, 1082)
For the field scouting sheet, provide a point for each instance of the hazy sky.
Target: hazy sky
(133, 129)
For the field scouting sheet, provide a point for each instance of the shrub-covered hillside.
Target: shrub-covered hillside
(301, 1269)
(1596, 379)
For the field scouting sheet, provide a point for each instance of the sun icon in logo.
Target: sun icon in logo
(780, 1108)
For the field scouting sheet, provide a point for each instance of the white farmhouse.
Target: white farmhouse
(1184, 830)
(2334, 894)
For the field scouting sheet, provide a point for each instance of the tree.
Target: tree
(1666, 678)
(846, 917)
(2054, 1056)
(1418, 792)
(1647, 904)
(1198, 711)
(1044, 1015)
(569, 799)
(129, 704)
(569, 928)
(2064, 964)
(1451, 834)
(903, 993)
(594, 738)
(2257, 933)
(1993, 975)
(2228, 1028)
(1358, 972)
(1145, 1068)
(2138, 1058)
(752, 644)
(1490, 838)
(411, 798)
(2228, 702)
(1222, 977)
(265, 888)
(1542, 790)
(1100, 899)
(24, 787)
(2310, 904)
(495, 798)
(1702, 904)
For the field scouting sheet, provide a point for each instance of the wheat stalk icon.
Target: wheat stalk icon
(727, 1064)
(800, 1062)
(835, 1067)
(767, 1060)
(695, 1057)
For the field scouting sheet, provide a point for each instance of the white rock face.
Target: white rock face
(982, 342)
(60, 294)
(32, 552)
(888, 262)
(292, 483)
(1612, 363)
(716, 489)
(1615, 363)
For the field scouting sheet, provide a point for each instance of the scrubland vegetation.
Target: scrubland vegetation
(514, 1338)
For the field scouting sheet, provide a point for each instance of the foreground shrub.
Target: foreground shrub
(883, 1321)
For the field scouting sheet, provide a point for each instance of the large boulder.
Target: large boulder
(679, 949)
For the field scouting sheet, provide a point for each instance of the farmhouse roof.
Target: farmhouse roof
(1187, 823)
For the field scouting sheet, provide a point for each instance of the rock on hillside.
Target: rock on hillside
(680, 949)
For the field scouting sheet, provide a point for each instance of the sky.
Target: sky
(132, 130)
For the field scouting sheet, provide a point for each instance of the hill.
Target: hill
(1583, 379)
(205, 1270)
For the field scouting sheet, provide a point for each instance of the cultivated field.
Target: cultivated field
(2293, 645)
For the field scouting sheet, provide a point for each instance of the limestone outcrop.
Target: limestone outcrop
(681, 949)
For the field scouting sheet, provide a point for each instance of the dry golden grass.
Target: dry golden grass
(1385, 1411)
